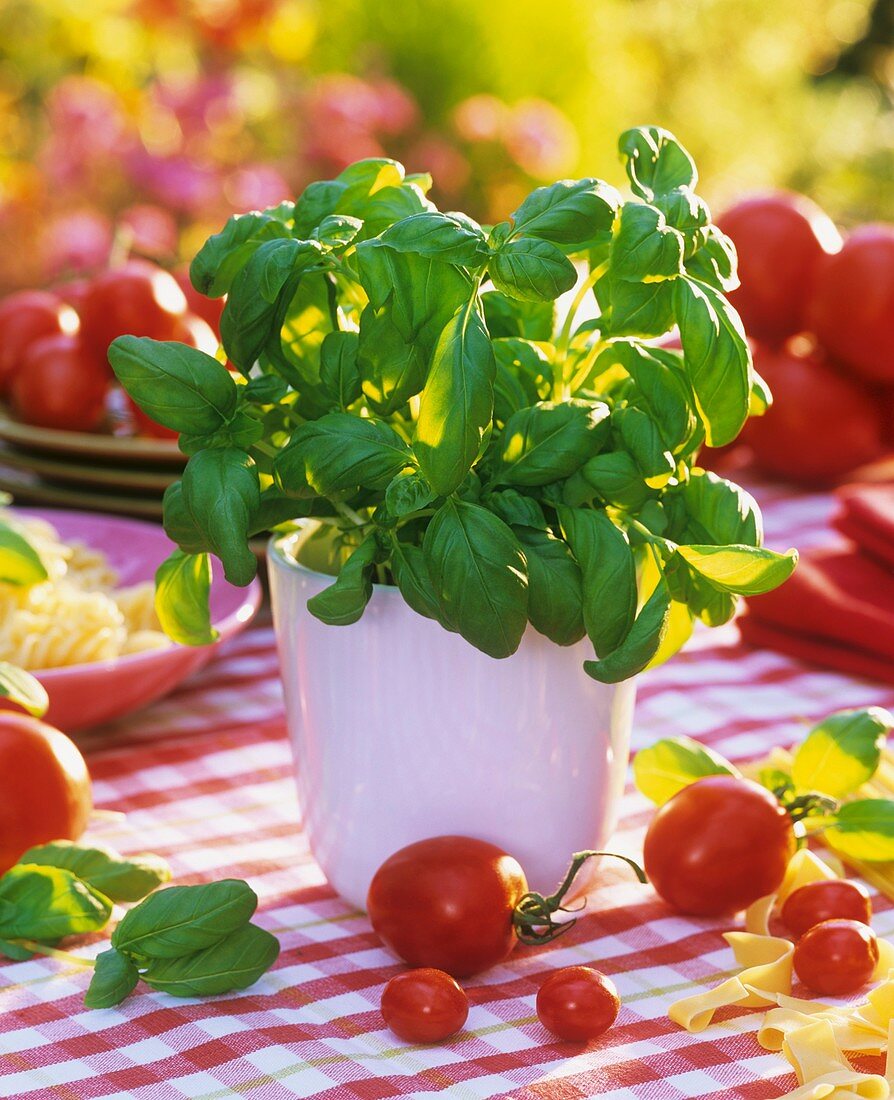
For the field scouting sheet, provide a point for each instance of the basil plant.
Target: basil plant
(404, 377)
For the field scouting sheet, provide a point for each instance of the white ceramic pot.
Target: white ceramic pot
(402, 730)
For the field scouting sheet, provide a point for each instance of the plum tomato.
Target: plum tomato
(44, 789)
(424, 1006)
(718, 845)
(26, 317)
(60, 385)
(852, 306)
(836, 957)
(821, 424)
(816, 902)
(781, 239)
(138, 299)
(577, 1003)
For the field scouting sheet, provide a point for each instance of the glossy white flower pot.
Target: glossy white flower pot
(402, 730)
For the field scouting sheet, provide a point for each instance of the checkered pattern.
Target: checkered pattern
(205, 779)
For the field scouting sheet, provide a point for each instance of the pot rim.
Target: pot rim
(305, 527)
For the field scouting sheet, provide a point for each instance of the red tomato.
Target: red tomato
(820, 901)
(60, 385)
(781, 240)
(718, 845)
(137, 299)
(836, 957)
(73, 292)
(577, 1003)
(821, 424)
(44, 787)
(25, 317)
(852, 307)
(209, 309)
(424, 1006)
(447, 903)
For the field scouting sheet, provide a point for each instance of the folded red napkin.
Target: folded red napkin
(867, 518)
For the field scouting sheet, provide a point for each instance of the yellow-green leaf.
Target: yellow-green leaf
(22, 688)
(842, 752)
(745, 570)
(20, 563)
(670, 765)
(864, 830)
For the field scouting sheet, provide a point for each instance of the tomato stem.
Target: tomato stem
(533, 915)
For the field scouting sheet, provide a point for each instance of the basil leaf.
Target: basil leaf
(479, 573)
(20, 563)
(457, 402)
(221, 491)
(442, 236)
(265, 389)
(635, 309)
(103, 868)
(408, 492)
(114, 977)
(532, 270)
(715, 262)
(512, 317)
(337, 231)
(717, 358)
(516, 508)
(573, 213)
(617, 479)
(719, 512)
(644, 247)
(864, 830)
(48, 903)
(609, 575)
(668, 766)
(555, 586)
(339, 372)
(234, 963)
(23, 689)
(744, 570)
(392, 368)
(387, 205)
(343, 602)
(712, 605)
(842, 752)
(181, 387)
(661, 387)
(316, 203)
(547, 442)
(655, 161)
(223, 255)
(640, 645)
(644, 441)
(688, 214)
(182, 591)
(181, 919)
(412, 578)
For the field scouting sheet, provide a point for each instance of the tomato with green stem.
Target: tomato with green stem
(836, 956)
(578, 1003)
(424, 1006)
(825, 900)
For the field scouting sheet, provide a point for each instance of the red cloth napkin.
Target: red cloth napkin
(837, 609)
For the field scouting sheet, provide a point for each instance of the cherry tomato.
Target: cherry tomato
(424, 1006)
(781, 240)
(447, 903)
(836, 957)
(821, 424)
(209, 309)
(60, 385)
(577, 1003)
(26, 317)
(137, 299)
(852, 306)
(718, 845)
(44, 787)
(820, 901)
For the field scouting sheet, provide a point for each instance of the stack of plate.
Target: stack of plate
(97, 473)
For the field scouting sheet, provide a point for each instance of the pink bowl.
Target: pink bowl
(89, 694)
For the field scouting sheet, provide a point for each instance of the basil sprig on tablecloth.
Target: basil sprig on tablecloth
(399, 375)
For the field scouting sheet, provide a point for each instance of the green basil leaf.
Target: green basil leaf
(644, 247)
(104, 869)
(531, 269)
(717, 358)
(555, 586)
(527, 363)
(181, 919)
(339, 371)
(181, 387)
(372, 174)
(575, 214)
(388, 205)
(408, 492)
(655, 161)
(704, 599)
(457, 402)
(661, 387)
(864, 830)
(48, 903)
(20, 563)
(222, 256)
(412, 578)
(479, 572)
(645, 442)
(316, 203)
(442, 236)
(668, 766)
(512, 317)
(343, 602)
(715, 262)
(392, 369)
(337, 231)
(265, 389)
(609, 575)
(234, 963)
(23, 689)
(221, 491)
(744, 570)
(617, 479)
(640, 645)
(182, 590)
(842, 752)
(635, 309)
(547, 442)
(114, 977)
(719, 512)
(688, 214)
(515, 508)
(761, 398)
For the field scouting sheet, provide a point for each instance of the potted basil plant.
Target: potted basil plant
(506, 497)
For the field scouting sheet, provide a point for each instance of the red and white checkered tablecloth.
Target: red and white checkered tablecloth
(205, 779)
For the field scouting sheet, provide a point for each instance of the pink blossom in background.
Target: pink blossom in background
(187, 187)
(87, 127)
(75, 241)
(448, 167)
(152, 230)
(481, 118)
(254, 187)
(541, 138)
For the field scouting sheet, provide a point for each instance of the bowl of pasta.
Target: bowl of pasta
(88, 630)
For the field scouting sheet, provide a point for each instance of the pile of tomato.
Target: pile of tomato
(54, 368)
(819, 311)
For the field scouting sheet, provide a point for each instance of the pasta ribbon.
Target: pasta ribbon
(823, 1071)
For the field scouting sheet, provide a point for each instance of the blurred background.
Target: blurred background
(147, 122)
